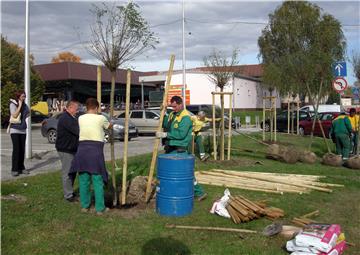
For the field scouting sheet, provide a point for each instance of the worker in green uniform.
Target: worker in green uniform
(354, 120)
(198, 123)
(341, 129)
(177, 135)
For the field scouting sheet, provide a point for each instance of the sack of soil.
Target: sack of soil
(353, 162)
(308, 157)
(332, 159)
(282, 153)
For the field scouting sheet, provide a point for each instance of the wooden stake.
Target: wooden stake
(126, 138)
(98, 94)
(263, 127)
(214, 127)
(239, 230)
(229, 135)
(159, 129)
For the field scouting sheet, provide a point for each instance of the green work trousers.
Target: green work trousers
(199, 144)
(85, 194)
(354, 140)
(343, 145)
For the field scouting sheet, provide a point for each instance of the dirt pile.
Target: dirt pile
(353, 162)
(308, 157)
(332, 159)
(285, 154)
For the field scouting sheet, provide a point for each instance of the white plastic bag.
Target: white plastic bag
(219, 206)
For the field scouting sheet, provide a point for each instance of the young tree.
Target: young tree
(221, 71)
(12, 76)
(299, 45)
(66, 56)
(118, 35)
(355, 60)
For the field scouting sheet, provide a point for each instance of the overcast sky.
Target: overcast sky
(55, 27)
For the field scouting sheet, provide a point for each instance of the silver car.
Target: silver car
(147, 121)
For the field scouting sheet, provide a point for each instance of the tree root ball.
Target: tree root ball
(308, 157)
(332, 159)
(282, 153)
(353, 162)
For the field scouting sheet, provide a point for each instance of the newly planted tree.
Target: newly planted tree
(118, 35)
(221, 71)
(298, 48)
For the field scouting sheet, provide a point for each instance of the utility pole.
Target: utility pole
(28, 149)
(183, 55)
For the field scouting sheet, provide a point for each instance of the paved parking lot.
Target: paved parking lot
(45, 157)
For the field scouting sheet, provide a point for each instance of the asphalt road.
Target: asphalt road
(46, 159)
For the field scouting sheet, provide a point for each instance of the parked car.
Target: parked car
(147, 121)
(207, 108)
(49, 128)
(282, 120)
(326, 119)
(38, 117)
(322, 108)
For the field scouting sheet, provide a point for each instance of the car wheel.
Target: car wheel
(51, 136)
(301, 131)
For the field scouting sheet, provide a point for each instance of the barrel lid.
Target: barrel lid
(176, 156)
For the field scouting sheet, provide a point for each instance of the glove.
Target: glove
(161, 134)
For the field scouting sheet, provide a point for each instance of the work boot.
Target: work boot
(202, 197)
(25, 171)
(104, 211)
(204, 157)
(85, 210)
(14, 174)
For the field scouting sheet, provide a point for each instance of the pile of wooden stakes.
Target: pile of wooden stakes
(242, 209)
(266, 182)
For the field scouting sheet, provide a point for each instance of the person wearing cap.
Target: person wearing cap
(176, 137)
(341, 128)
(354, 120)
(198, 123)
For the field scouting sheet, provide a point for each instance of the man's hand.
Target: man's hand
(161, 134)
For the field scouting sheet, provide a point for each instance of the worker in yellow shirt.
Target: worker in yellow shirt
(198, 122)
(354, 120)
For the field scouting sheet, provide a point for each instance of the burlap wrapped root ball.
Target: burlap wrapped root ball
(137, 190)
(353, 162)
(308, 157)
(282, 153)
(332, 159)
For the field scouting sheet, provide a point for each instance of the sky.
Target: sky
(57, 26)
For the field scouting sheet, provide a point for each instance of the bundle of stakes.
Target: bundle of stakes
(242, 209)
(304, 220)
(265, 182)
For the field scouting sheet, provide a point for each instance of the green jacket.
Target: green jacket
(179, 128)
(341, 125)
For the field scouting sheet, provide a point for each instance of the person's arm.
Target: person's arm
(70, 125)
(182, 131)
(348, 125)
(106, 123)
(15, 110)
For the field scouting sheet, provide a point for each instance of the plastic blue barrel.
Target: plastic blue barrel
(175, 191)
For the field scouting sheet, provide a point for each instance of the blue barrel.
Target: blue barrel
(175, 191)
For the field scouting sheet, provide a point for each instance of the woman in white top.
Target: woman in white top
(89, 160)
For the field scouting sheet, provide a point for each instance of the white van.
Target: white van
(322, 108)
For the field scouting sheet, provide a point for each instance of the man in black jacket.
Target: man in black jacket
(66, 144)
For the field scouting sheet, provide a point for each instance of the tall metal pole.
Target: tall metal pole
(28, 150)
(183, 56)
(142, 95)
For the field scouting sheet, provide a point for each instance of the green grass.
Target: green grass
(45, 224)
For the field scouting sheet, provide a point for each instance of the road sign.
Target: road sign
(340, 84)
(339, 69)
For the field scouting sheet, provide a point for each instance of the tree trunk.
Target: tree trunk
(112, 95)
(222, 136)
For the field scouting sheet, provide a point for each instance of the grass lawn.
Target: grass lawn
(46, 224)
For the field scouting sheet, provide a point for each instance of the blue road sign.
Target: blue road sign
(339, 69)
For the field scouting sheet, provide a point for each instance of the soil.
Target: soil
(332, 159)
(353, 162)
(308, 157)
